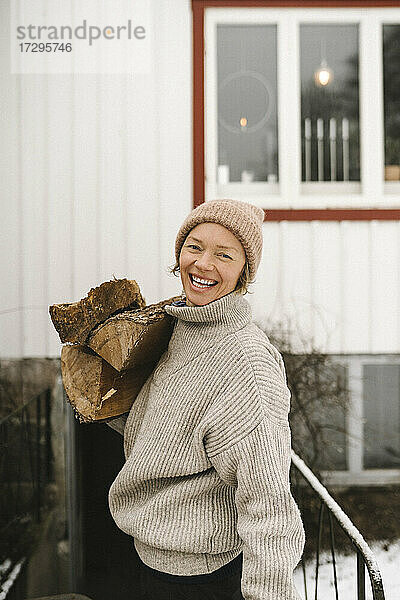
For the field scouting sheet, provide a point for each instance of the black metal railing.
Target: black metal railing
(25, 470)
(364, 556)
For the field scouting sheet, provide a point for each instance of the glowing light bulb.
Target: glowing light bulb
(243, 122)
(324, 75)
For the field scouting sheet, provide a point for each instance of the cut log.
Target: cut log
(95, 390)
(74, 321)
(133, 338)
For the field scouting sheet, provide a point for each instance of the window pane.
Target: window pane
(329, 103)
(391, 74)
(332, 419)
(247, 116)
(318, 411)
(381, 385)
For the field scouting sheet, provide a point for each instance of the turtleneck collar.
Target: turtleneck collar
(199, 328)
(230, 310)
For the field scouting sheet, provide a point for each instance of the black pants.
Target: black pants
(223, 584)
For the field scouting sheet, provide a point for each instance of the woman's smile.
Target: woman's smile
(211, 262)
(200, 283)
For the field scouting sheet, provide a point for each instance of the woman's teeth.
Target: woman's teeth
(201, 283)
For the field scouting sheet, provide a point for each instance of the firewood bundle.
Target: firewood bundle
(112, 344)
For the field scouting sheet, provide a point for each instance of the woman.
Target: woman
(205, 488)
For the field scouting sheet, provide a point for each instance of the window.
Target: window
(301, 107)
(372, 445)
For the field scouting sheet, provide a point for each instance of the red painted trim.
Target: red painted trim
(198, 105)
(198, 8)
(330, 214)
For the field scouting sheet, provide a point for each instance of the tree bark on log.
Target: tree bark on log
(133, 338)
(94, 388)
(74, 321)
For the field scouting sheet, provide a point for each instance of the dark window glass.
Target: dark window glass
(391, 78)
(318, 414)
(329, 102)
(247, 98)
(381, 384)
(332, 421)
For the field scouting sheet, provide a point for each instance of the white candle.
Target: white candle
(247, 176)
(345, 129)
(332, 129)
(223, 174)
(320, 129)
(307, 128)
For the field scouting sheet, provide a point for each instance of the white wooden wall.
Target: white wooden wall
(335, 283)
(96, 177)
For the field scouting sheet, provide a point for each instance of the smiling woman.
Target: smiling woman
(205, 489)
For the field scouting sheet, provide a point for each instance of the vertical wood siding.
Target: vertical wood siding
(334, 284)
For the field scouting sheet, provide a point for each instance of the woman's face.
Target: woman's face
(210, 263)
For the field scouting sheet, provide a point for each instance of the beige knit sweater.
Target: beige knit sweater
(207, 446)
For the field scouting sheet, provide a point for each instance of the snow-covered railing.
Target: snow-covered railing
(8, 575)
(365, 557)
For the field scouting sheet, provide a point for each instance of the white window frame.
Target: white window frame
(291, 192)
(355, 474)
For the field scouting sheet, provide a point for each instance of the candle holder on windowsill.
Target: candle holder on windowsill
(392, 172)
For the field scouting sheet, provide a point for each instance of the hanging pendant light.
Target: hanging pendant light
(323, 76)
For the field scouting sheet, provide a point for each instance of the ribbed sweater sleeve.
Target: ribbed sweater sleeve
(269, 521)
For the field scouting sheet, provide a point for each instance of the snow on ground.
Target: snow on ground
(346, 568)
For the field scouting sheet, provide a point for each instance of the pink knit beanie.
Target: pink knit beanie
(242, 219)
